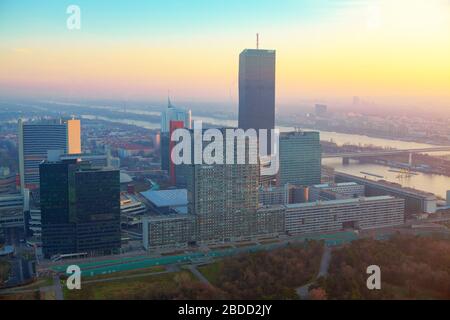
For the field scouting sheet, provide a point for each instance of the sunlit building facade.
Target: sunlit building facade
(37, 138)
(355, 213)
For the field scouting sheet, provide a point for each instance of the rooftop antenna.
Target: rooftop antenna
(257, 41)
(169, 103)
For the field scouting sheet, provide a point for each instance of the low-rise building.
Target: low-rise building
(341, 190)
(166, 201)
(416, 201)
(131, 211)
(172, 230)
(179, 229)
(176, 230)
(354, 213)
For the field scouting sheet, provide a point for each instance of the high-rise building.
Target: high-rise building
(37, 138)
(300, 158)
(174, 125)
(257, 89)
(172, 113)
(73, 136)
(165, 152)
(224, 197)
(80, 208)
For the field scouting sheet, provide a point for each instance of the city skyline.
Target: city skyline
(106, 194)
(392, 53)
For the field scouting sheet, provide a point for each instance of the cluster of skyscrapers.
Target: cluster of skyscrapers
(80, 201)
(230, 202)
(69, 199)
(36, 138)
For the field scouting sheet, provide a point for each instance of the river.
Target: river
(437, 184)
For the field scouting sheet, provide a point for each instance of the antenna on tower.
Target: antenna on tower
(169, 103)
(257, 41)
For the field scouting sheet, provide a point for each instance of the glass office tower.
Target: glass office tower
(300, 158)
(80, 208)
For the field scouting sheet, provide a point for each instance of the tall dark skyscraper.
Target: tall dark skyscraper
(80, 208)
(257, 89)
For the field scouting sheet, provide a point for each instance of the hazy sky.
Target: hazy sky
(390, 51)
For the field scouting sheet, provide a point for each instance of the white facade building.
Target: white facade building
(355, 213)
(177, 114)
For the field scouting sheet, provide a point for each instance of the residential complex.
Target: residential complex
(336, 215)
(168, 231)
(364, 213)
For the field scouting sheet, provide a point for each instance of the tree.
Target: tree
(318, 294)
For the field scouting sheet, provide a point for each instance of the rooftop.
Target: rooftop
(299, 133)
(328, 185)
(166, 217)
(337, 202)
(391, 185)
(6, 250)
(125, 178)
(167, 198)
(258, 51)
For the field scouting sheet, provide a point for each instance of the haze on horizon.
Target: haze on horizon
(387, 52)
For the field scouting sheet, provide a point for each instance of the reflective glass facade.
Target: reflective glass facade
(80, 208)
